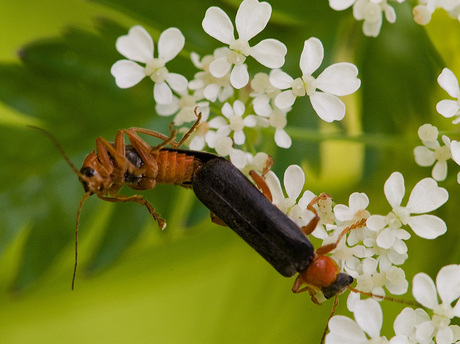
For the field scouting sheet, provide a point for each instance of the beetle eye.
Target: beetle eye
(88, 171)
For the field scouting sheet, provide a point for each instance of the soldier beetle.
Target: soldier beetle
(232, 199)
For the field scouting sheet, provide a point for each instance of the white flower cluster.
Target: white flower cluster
(373, 254)
(223, 80)
(411, 325)
(432, 152)
(424, 10)
(371, 12)
(370, 254)
(233, 103)
(382, 249)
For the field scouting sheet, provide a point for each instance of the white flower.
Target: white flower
(432, 152)
(368, 320)
(278, 120)
(201, 136)
(358, 202)
(406, 323)
(425, 197)
(455, 151)
(339, 79)
(368, 10)
(371, 12)
(256, 162)
(251, 19)
(448, 107)
(294, 180)
(390, 233)
(369, 279)
(340, 5)
(264, 92)
(233, 121)
(224, 147)
(422, 14)
(205, 83)
(426, 293)
(138, 46)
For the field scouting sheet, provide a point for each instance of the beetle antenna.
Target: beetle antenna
(388, 298)
(58, 146)
(85, 196)
(334, 306)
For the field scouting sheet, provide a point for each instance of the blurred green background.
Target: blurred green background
(195, 282)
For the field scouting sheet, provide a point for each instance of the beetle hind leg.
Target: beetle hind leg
(141, 200)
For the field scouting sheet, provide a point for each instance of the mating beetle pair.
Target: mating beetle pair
(232, 199)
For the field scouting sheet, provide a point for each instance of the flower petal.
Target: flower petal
(270, 53)
(340, 79)
(217, 24)
(239, 77)
(426, 196)
(343, 213)
(358, 200)
(239, 108)
(340, 5)
(424, 156)
(312, 55)
(448, 283)
(427, 226)
(369, 316)
(386, 238)
(285, 99)
(444, 336)
(274, 185)
(127, 73)
(328, 107)
(162, 93)
(282, 139)
(177, 82)
(343, 330)
(137, 45)
(375, 222)
(219, 67)
(252, 17)
(455, 151)
(294, 180)
(170, 43)
(239, 137)
(394, 189)
(447, 108)
(449, 83)
(405, 322)
(425, 332)
(439, 172)
(238, 158)
(372, 29)
(168, 109)
(424, 290)
(280, 79)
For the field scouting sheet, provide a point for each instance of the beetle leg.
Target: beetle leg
(260, 180)
(268, 165)
(330, 247)
(261, 184)
(138, 199)
(310, 226)
(216, 220)
(144, 151)
(103, 155)
(104, 148)
(169, 139)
